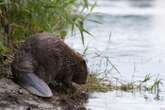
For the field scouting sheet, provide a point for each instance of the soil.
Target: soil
(14, 97)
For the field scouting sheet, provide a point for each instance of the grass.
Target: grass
(20, 19)
(96, 84)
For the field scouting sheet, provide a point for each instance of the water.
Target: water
(132, 35)
(123, 101)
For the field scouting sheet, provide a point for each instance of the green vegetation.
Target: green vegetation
(100, 85)
(95, 84)
(21, 18)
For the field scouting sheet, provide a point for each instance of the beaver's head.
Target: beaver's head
(80, 70)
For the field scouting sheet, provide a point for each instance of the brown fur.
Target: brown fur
(50, 59)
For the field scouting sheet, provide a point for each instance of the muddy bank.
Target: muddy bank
(14, 97)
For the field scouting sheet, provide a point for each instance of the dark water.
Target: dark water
(132, 36)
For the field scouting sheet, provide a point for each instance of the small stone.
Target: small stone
(20, 92)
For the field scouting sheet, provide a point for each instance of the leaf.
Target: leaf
(86, 3)
(82, 37)
(93, 6)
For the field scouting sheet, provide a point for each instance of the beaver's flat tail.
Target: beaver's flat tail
(35, 85)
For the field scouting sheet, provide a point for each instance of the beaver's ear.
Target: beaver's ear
(34, 84)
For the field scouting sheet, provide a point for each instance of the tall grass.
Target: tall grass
(21, 18)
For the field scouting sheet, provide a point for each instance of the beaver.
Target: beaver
(44, 58)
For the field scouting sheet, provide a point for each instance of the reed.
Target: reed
(21, 18)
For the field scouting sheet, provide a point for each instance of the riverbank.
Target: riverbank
(14, 97)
